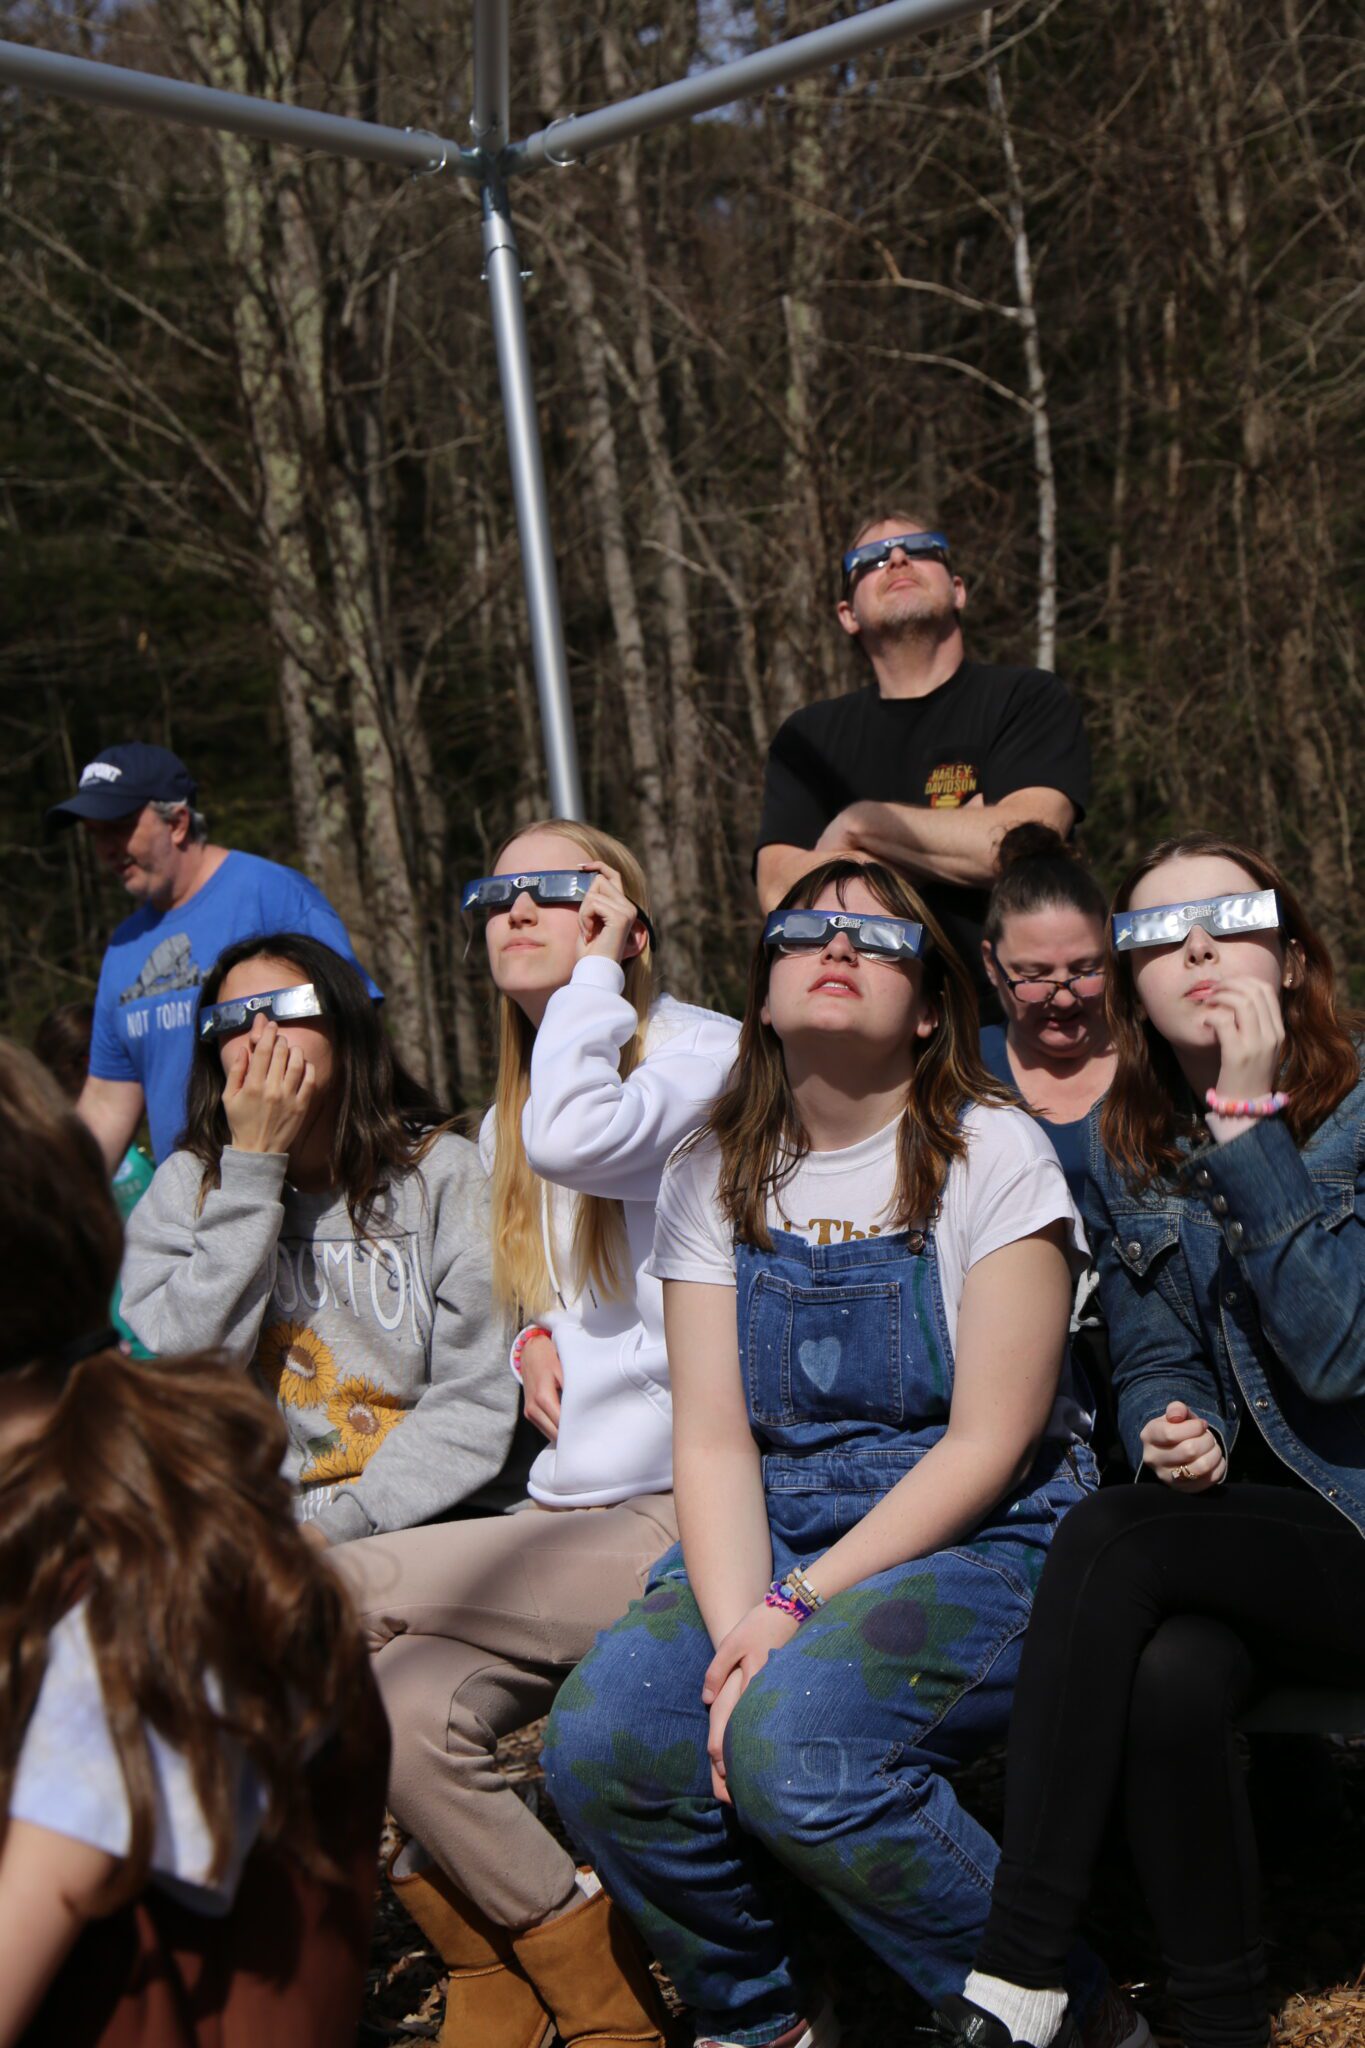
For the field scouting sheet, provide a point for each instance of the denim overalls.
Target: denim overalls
(837, 1754)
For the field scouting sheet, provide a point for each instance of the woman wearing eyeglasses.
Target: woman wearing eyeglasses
(1043, 948)
(321, 1222)
(1226, 1206)
(475, 1626)
(867, 1259)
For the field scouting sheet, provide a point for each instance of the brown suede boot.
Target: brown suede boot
(489, 2002)
(592, 1977)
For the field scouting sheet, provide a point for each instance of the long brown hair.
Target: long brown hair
(755, 1120)
(1148, 1110)
(151, 1490)
(384, 1123)
(601, 1255)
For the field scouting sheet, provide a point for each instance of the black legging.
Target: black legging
(1158, 1615)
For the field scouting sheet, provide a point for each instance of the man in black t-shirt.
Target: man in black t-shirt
(932, 762)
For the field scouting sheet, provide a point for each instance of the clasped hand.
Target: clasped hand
(542, 1385)
(740, 1657)
(1182, 1451)
(268, 1093)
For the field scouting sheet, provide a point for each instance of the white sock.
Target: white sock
(1032, 2016)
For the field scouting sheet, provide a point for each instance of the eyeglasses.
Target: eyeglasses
(875, 554)
(284, 1005)
(880, 938)
(1044, 988)
(1227, 917)
(555, 888)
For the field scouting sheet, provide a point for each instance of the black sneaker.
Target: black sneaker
(959, 2024)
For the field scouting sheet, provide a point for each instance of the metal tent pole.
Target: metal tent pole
(502, 269)
(492, 160)
(502, 272)
(567, 140)
(203, 106)
(492, 77)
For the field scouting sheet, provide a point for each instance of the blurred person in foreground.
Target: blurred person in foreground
(192, 1756)
(194, 899)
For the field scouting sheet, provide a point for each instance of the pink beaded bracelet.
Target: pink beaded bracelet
(1260, 1105)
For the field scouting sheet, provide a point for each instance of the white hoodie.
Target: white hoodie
(587, 1131)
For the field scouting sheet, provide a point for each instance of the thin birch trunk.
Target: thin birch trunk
(1045, 475)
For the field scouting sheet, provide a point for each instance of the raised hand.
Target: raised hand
(1249, 1024)
(1182, 1451)
(606, 917)
(268, 1092)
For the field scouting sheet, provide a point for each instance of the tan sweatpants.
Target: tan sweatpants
(474, 1626)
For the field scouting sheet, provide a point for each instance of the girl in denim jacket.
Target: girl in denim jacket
(1225, 1207)
(867, 1261)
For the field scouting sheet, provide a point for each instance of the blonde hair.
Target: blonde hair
(521, 1270)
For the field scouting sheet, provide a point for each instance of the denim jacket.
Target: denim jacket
(1240, 1290)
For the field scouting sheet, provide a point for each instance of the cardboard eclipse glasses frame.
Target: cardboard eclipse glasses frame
(282, 1005)
(1223, 917)
(557, 887)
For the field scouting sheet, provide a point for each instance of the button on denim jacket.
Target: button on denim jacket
(1240, 1290)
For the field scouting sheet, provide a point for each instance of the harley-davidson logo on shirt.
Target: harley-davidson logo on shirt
(950, 784)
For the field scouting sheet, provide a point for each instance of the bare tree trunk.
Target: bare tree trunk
(314, 717)
(687, 806)
(797, 670)
(639, 696)
(1045, 475)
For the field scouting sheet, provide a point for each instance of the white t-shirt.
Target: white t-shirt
(1009, 1185)
(68, 1780)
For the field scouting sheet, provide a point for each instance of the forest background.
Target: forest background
(1088, 281)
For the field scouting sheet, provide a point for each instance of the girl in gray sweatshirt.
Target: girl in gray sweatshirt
(320, 1225)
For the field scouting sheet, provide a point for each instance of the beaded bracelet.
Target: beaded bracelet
(786, 1603)
(799, 1586)
(1259, 1105)
(794, 1595)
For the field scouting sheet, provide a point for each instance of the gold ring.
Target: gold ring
(1181, 1472)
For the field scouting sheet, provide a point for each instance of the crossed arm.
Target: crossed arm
(941, 845)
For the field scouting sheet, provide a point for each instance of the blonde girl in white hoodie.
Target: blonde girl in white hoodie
(475, 1624)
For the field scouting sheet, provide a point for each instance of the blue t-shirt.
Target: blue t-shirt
(149, 983)
(1068, 1140)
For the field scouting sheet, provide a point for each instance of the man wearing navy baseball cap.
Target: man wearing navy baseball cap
(137, 803)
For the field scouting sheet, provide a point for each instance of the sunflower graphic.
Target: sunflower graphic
(329, 1467)
(296, 1365)
(362, 1413)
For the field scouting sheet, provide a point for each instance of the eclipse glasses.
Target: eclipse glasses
(556, 888)
(875, 554)
(879, 938)
(1224, 917)
(283, 1005)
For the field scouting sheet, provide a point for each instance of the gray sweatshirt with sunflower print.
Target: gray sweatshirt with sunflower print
(383, 1349)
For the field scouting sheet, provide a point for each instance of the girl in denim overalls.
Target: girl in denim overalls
(1225, 1205)
(867, 1267)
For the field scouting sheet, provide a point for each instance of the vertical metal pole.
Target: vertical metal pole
(492, 76)
(502, 270)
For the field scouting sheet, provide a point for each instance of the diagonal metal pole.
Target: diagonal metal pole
(569, 140)
(203, 106)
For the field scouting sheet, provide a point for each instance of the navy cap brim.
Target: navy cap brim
(100, 804)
